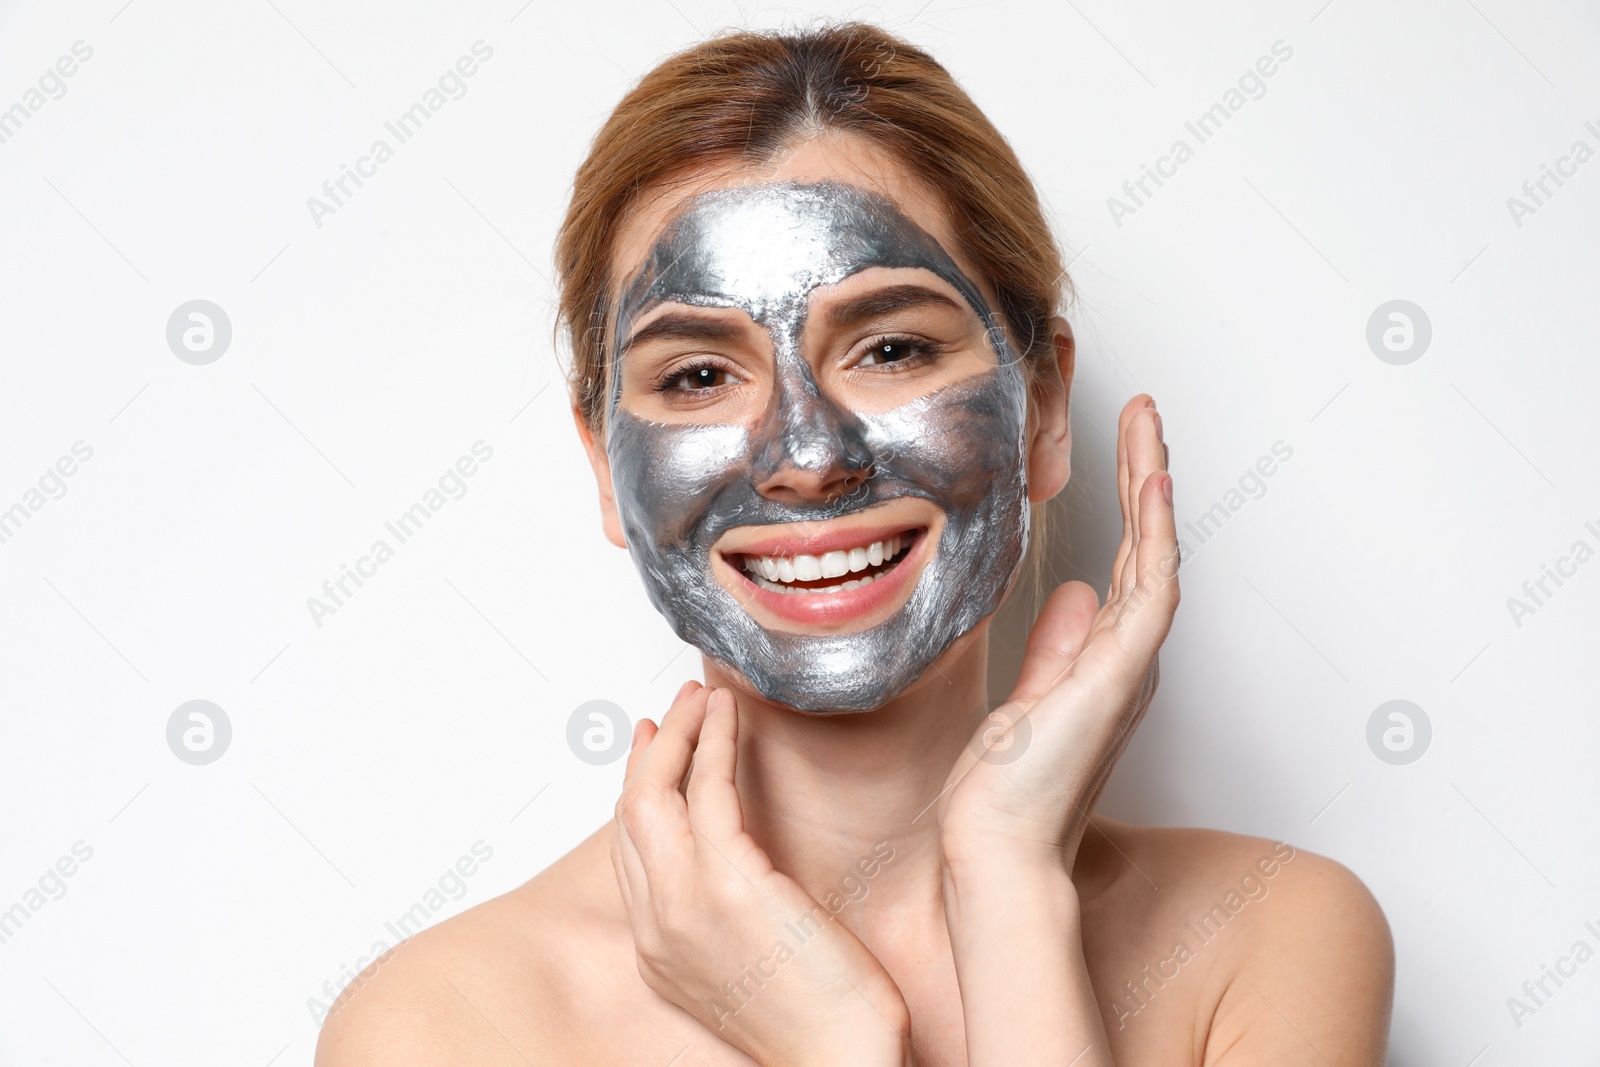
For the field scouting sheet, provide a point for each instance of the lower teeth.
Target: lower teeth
(778, 587)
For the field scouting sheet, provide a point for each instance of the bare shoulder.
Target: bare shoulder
(492, 985)
(1292, 956)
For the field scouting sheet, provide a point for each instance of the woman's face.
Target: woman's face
(815, 428)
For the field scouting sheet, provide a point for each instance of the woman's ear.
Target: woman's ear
(1050, 446)
(609, 520)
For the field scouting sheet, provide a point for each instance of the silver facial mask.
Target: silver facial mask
(762, 249)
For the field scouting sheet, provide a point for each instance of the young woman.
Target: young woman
(821, 378)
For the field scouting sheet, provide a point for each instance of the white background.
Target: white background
(371, 752)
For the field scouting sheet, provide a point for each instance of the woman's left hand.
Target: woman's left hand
(718, 930)
(1023, 788)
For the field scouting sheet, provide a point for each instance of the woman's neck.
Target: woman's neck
(829, 797)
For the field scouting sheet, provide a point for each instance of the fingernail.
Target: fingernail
(1166, 489)
(1158, 424)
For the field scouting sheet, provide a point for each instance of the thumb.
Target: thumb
(1056, 639)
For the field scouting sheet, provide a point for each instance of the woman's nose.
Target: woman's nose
(809, 449)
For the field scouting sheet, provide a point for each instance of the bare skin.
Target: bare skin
(547, 972)
(966, 911)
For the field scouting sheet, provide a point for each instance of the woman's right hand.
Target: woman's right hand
(718, 929)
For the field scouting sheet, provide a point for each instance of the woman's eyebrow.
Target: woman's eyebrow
(884, 301)
(684, 326)
(679, 325)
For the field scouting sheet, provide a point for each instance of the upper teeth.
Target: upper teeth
(803, 568)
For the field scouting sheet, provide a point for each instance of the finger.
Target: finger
(1129, 410)
(665, 762)
(1056, 639)
(714, 807)
(653, 834)
(643, 731)
(1144, 460)
(648, 728)
(1154, 595)
(1117, 660)
(624, 856)
(656, 830)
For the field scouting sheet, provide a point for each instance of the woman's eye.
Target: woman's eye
(704, 378)
(694, 379)
(892, 350)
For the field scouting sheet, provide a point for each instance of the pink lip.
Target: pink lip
(871, 600)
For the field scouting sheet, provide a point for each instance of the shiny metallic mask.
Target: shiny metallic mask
(762, 249)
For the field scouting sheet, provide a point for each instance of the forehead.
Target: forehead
(763, 248)
(771, 242)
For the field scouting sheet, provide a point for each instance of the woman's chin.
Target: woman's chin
(843, 695)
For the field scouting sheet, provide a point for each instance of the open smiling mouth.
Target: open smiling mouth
(829, 572)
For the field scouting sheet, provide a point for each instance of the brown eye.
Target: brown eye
(704, 378)
(693, 379)
(893, 350)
